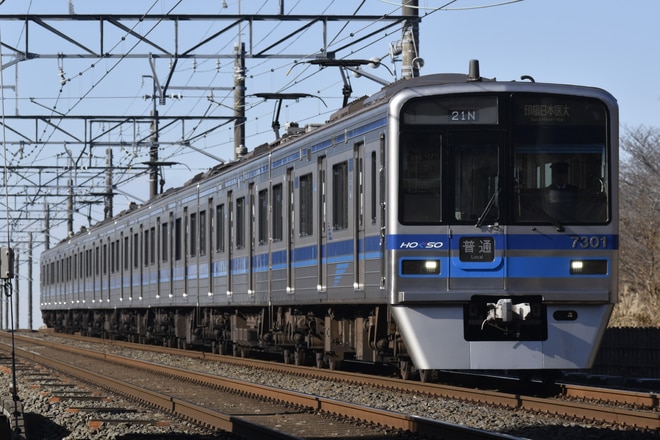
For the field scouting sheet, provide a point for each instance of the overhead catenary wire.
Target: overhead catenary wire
(341, 37)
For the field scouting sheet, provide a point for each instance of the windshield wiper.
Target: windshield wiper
(537, 209)
(487, 209)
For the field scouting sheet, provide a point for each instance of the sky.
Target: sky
(608, 44)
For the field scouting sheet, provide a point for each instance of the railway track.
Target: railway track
(612, 406)
(245, 409)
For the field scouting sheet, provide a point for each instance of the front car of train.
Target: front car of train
(502, 223)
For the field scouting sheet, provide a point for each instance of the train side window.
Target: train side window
(105, 259)
(112, 257)
(262, 219)
(136, 250)
(152, 245)
(147, 247)
(164, 240)
(340, 196)
(212, 220)
(193, 234)
(202, 233)
(277, 212)
(97, 260)
(306, 189)
(220, 228)
(240, 223)
(177, 239)
(126, 253)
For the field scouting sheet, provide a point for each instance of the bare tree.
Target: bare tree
(639, 293)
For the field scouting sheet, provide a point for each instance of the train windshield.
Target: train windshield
(516, 159)
(559, 160)
(420, 178)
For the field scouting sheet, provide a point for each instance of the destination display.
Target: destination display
(452, 110)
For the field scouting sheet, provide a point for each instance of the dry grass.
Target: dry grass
(633, 310)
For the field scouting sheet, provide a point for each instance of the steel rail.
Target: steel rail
(410, 423)
(610, 414)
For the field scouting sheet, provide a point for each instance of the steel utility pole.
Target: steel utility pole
(108, 184)
(239, 100)
(153, 148)
(29, 281)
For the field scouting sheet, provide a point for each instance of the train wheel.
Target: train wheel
(298, 356)
(333, 364)
(425, 375)
(287, 356)
(405, 367)
(319, 359)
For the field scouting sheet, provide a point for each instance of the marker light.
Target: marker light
(589, 267)
(420, 267)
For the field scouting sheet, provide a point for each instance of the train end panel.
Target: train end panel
(435, 339)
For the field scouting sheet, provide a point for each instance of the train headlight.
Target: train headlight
(420, 267)
(588, 267)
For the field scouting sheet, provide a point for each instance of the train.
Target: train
(446, 222)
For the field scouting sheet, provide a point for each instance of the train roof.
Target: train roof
(358, 105)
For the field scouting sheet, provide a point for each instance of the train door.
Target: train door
(323, 227)
(358, 218)
(105, 276)
(477, 240)
(192, 286)
(230, 240)
(159, 257)
(289, 226)
(250, 239)
(171, 254)
(140, 247)
(185, 248)
(210, 235)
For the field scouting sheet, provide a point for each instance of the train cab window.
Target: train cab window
(560, 161)
(420, 178)
(340, 196)
(476, 178)
(278, 213)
